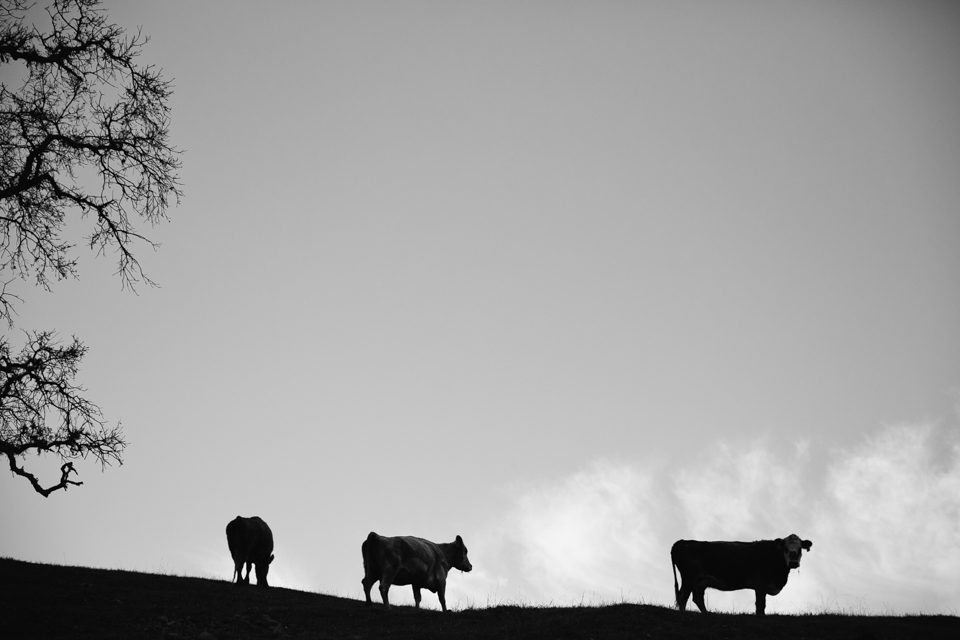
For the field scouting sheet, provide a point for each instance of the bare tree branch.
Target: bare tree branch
(65, 470)
(42, 410)
(87, 132)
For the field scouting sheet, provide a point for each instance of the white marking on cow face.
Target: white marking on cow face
(793, 548)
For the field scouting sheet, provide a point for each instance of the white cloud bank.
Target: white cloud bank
(883, 518)
(891, 514)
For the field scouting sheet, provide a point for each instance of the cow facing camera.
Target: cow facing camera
(793, 547)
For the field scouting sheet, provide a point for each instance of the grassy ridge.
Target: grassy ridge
(50, 601)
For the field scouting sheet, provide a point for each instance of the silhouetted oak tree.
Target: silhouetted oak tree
(84, 131)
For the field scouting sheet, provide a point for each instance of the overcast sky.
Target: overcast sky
(573, 280)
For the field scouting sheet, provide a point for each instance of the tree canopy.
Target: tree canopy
(84, 131)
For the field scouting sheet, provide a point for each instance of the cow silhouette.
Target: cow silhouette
(406, 560)
(251, 543)
(763, 566)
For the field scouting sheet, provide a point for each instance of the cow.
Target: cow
(763, 566)
(408, 560)
(251, 542)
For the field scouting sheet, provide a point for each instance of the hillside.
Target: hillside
(49, 601)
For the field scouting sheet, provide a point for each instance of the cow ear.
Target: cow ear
(459, 540)
(806, 544)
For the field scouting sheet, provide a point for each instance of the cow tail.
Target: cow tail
(368, 548)
(676, 586)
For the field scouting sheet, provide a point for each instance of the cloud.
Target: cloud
(882, 515)
(739, 492)
(891, 512)
(592, 537)
(581, 535)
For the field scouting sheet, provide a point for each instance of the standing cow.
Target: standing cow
(251, 542)
(763, 566)
(407, 560)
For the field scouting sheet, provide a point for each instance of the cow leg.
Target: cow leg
(367, 583)
(238, 572)
(416, 595)
(386, 581)
(698, 599)
(384, 588)
(262, 568)
(246, 578)
(441, 593)
(761, 602)
(682, 596)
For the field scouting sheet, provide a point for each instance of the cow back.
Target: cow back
(735, 565)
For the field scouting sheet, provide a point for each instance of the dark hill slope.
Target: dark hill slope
(49, 601)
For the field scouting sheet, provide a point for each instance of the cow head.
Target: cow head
(793, 547)
(262, 569)
(460, 560)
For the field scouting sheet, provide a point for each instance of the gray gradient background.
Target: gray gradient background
(572, 280)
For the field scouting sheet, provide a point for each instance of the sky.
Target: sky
(572, 280)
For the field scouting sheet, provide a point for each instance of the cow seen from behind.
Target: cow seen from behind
(763, 566)
(407, 560)
(251, 543)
